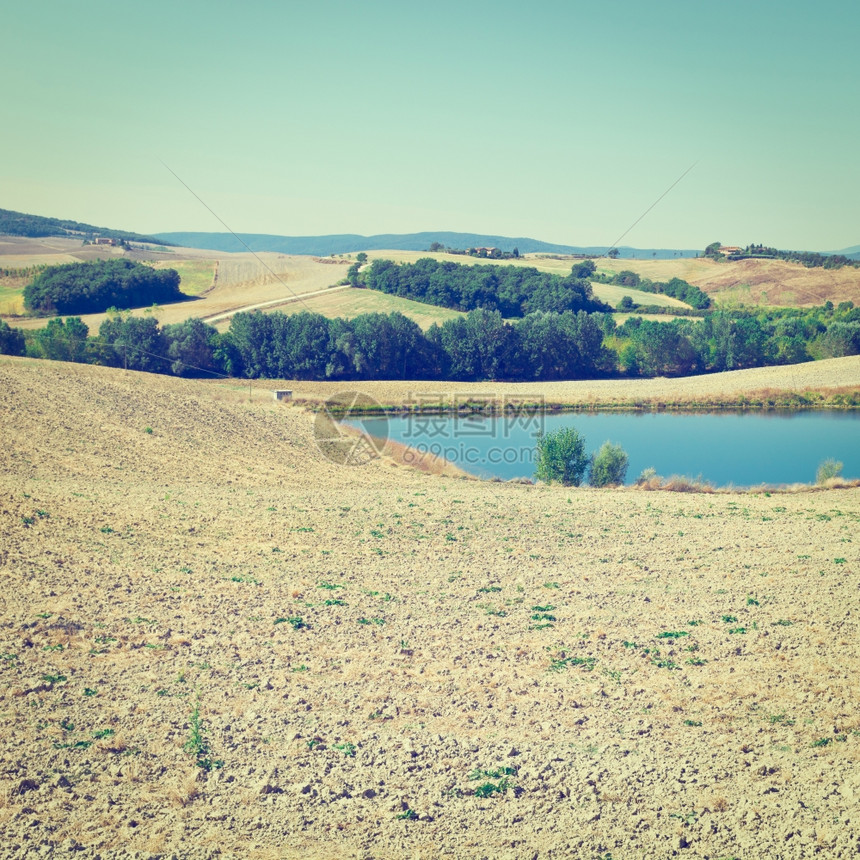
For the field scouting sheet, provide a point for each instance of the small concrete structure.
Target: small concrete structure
(283, 394)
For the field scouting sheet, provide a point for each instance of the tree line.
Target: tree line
(514, 291)
(480, 345)
(93, 287)
(21, 224)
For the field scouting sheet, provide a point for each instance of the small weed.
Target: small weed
(28, 521)
(559, 664)
(378, 715)
(378, 621)
(751, 601)
(489, 588)
(295, 622)
(686, 817)
(548, 608)
(783, 622)
(407, 815)
(301, 668)
(197, 743)
(696, 661)
(664, 663)
(335, 601)
(551, 585)
(738, 630)
(780, 719)
(66, 726)
(694, 723)
(839, 561)
(54, 679)
(106, 530)
(88, 691)
(488, 789)
(328, 586)
(672, 634)
(103, 733)
(729, 619)
(57, 647)
(348, 749)
(822, 742)
(148, 430)
(73, 745)
(496, 773)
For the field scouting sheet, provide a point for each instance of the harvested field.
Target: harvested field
(240, 280)
(214, 642)
(350, 303)
(752, 282)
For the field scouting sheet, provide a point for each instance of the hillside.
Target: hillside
(21, 224)
(752, 282)
(215, 642)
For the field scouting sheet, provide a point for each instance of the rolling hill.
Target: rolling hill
(35, 226)
(323, 246)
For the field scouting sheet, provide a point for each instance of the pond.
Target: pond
(739, 448)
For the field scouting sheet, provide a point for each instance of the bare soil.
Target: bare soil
(480, 670)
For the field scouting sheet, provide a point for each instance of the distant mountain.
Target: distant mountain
(852, 253)
(36, 226)
(323, 246)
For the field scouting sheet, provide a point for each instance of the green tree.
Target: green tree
(608, 466)
(613, 253)
(585, 269)
(60, 340)
(561, 457)
(135, 343)
(189, 346)
(361, 257)
(12, 341)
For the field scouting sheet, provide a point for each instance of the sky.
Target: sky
(559, 120)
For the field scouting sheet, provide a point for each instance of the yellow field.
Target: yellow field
(196, 276)
(353, 302)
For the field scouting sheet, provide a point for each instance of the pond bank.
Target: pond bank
(828, 384)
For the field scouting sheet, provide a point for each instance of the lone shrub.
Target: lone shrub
(827, 470)
(608, 466)
(561, 457)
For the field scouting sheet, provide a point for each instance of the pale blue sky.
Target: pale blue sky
(562, 121)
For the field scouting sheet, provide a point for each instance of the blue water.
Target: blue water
(743, 449)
